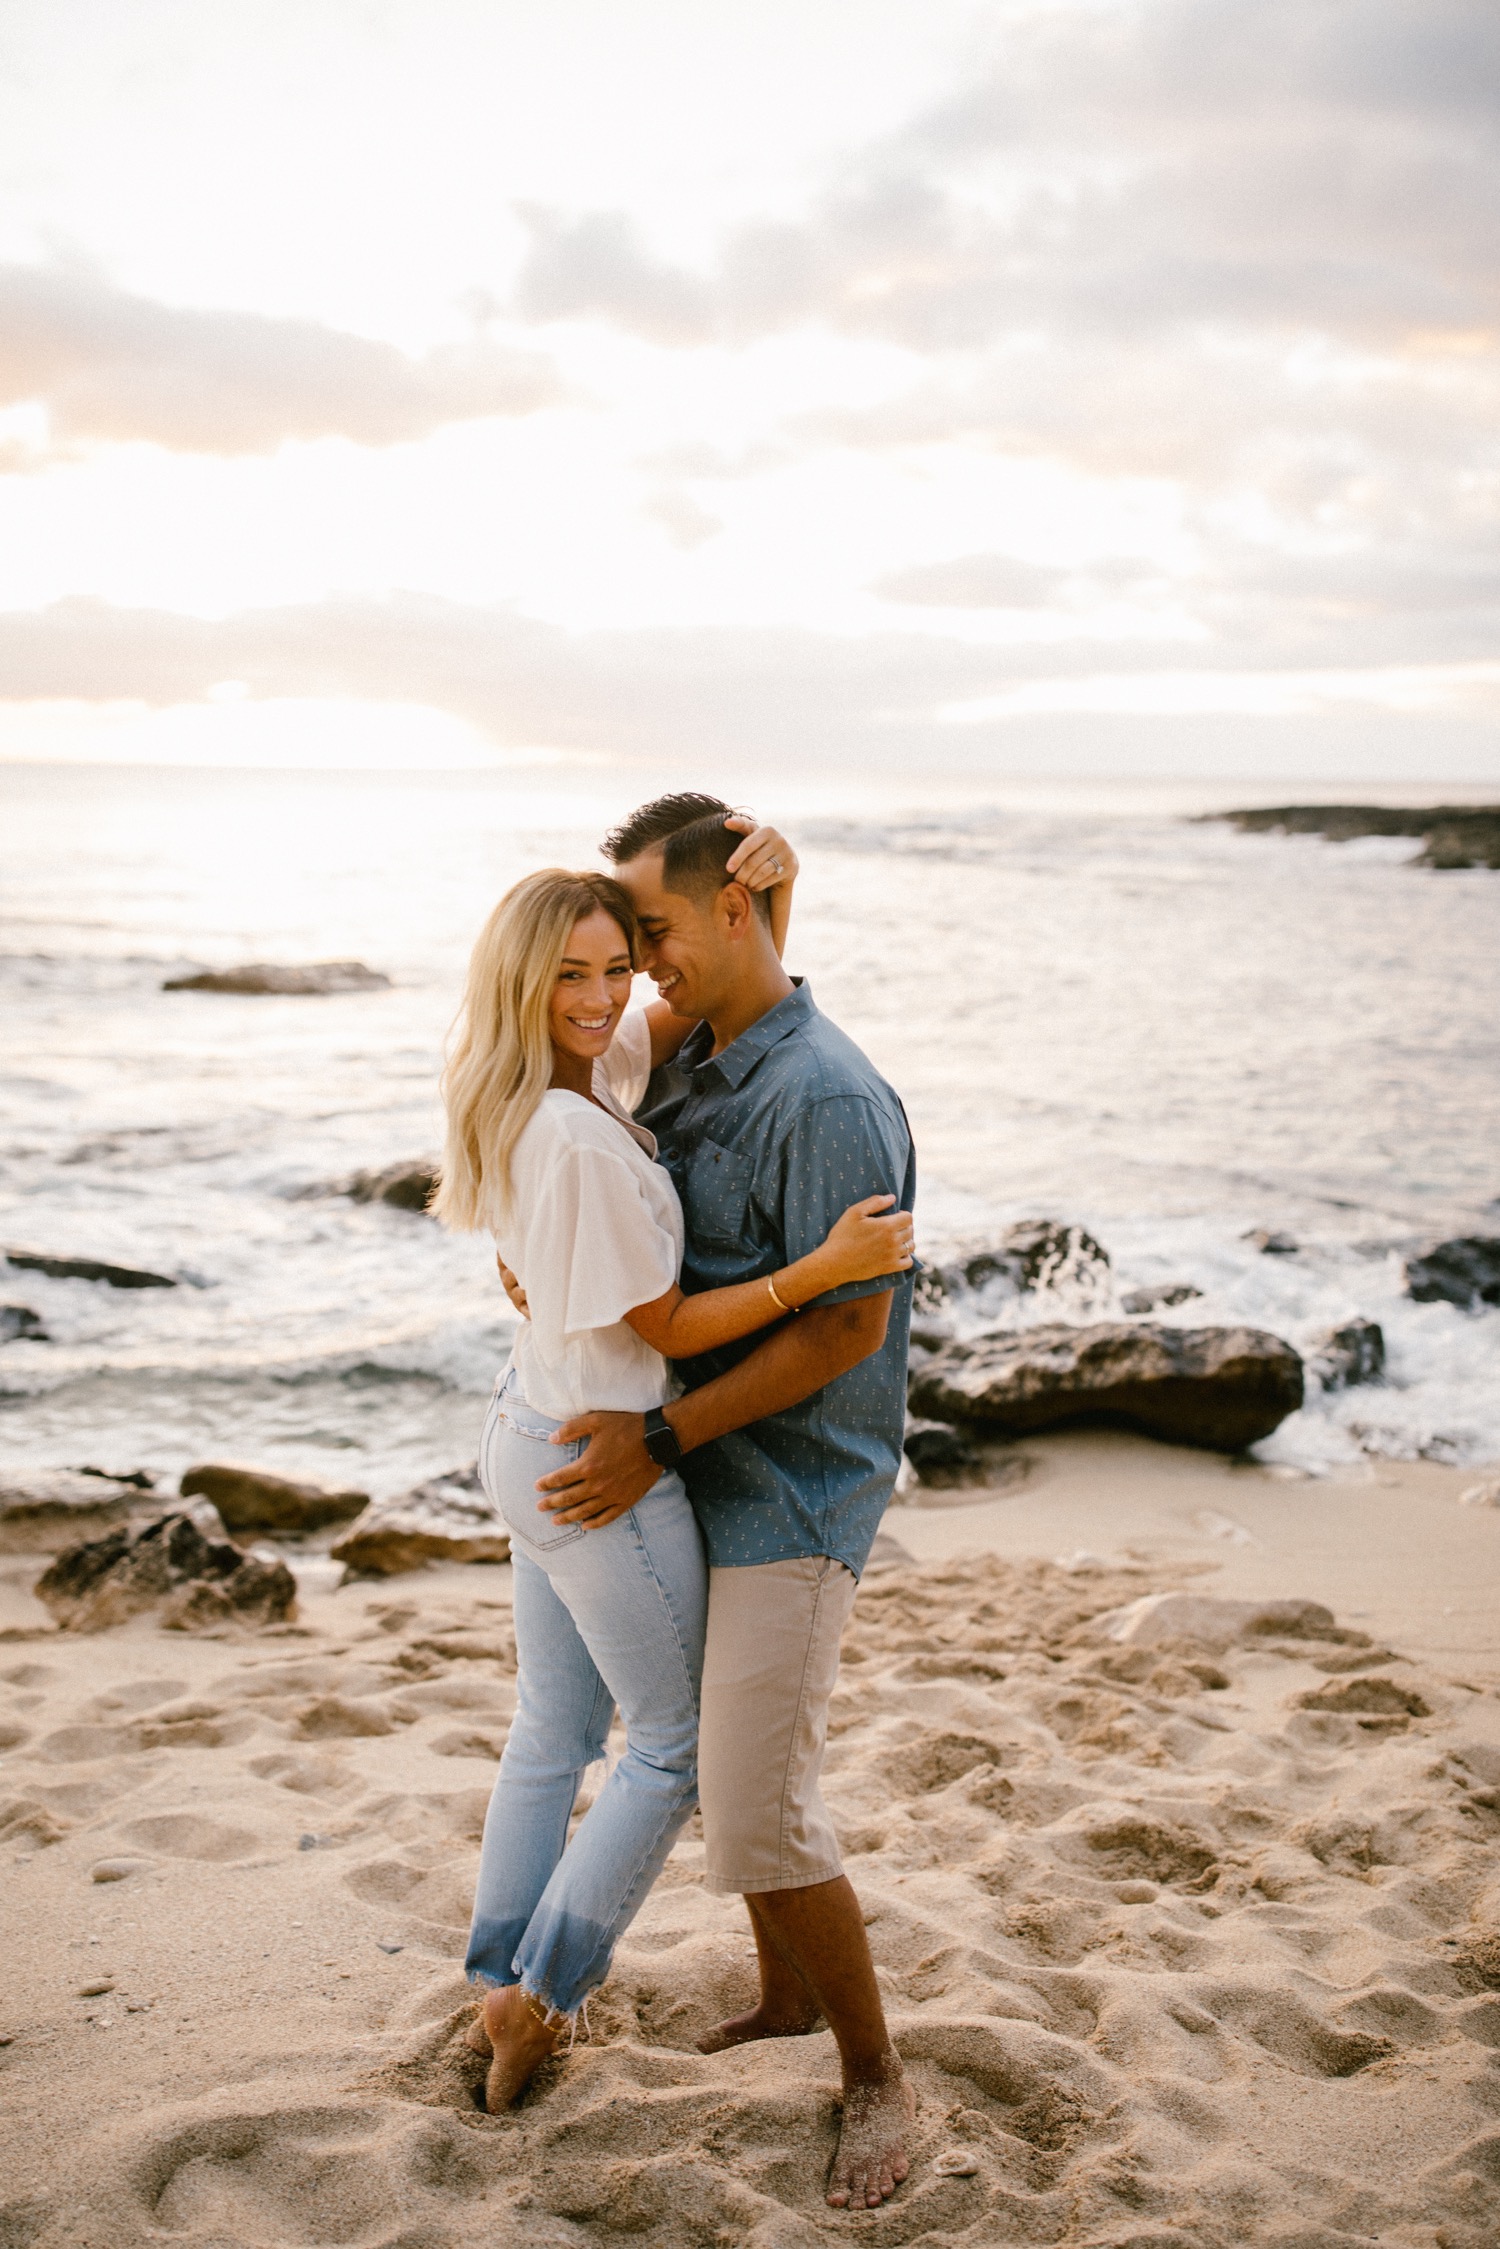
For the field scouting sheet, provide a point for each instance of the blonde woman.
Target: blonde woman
(542, 1148)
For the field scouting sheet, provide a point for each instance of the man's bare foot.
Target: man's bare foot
(517, 2037)
(761, 2022)
(871, 2160)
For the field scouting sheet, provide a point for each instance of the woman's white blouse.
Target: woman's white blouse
(594, 1229)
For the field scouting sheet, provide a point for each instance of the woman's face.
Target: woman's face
(592, 988)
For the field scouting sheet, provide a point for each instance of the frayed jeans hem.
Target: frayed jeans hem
(555, 2018)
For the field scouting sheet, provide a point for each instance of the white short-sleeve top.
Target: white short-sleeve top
(593, 1229)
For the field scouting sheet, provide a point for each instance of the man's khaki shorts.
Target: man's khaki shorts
(773, 1655)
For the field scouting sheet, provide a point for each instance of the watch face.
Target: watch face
(662, 1445)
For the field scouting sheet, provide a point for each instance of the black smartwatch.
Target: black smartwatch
(661, 1439)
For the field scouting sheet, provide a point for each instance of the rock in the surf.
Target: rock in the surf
(405, 1186)
(1223, 1388)
(1465, 1271)
(1162, 1298)
(1350, 1354)
(1271, 1243)
(313, 979)
(447, 1519)
(1457, 835)
(85, 1269)
(936, 1448)
(195, 1583)
(252, 1499)
(42, 1509)
(1036, 1253)
(19, 1324)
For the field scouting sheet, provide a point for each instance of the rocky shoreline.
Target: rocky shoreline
(1028, 1331)
(1454, 835)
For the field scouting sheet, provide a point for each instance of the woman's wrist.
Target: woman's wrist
(798, 1284)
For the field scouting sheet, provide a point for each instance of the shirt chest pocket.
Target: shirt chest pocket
(718, 1184)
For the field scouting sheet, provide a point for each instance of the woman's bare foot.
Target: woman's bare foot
(761, 2022)
(515, 2034)
(871, 2161)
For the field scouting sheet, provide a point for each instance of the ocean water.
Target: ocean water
(1094, 1007)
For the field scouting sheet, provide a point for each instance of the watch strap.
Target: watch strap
(661, 1439)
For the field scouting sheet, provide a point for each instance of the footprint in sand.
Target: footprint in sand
(88, 1745)
(305, 1773)
(461, 1744)
(28, 1675)
(187, 1835)
(140, 1694)
(23, 1820)
(340, 1716)
(442, 1895)
(386, 1881)
(384, 2178)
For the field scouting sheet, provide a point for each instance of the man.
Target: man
(773, 1122)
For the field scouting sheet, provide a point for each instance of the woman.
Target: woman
(543, 1149)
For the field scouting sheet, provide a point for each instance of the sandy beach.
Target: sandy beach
(1187, 1937)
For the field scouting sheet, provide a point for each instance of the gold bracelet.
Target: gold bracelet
(780, 1300)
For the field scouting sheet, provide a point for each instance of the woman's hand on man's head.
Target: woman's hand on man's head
(765, 860)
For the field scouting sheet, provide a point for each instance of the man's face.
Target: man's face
(684, 950)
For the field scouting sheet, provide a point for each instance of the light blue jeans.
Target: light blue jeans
(603, 1618)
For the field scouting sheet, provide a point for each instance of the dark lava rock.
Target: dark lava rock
(85, 1269)
(1159, 1299)
(251, 1499)
(1269, 1244)
(19, 1324)
(1220, 1387)
(447, 1519)
(42, 1509)
(316, 979)
(1457, 835)
(1351, 1354)
(1464, 1272)
(405, 1186)
(1028, 1255)
(937, 1446)
(198, 1583)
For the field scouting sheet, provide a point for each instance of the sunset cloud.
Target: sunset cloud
(110, 366)
(1055, 352)
(1328, 166)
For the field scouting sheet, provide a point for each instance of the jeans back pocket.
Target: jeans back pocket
(514, 1461)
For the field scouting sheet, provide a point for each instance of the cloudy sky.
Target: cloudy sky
(1043, 386)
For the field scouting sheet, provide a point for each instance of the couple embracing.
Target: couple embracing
(703, 1210)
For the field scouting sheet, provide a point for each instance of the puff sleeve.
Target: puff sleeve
(595, 1248)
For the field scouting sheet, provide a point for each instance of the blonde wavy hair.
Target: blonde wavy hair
(500, 1049)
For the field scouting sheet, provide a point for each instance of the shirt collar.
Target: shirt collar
(741, 1055)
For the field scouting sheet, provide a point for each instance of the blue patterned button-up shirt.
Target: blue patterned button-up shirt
(768, 1143)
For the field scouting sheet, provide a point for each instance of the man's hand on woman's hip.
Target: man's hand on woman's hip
(612, 1472)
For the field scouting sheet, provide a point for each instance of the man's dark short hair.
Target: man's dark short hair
(688, 830)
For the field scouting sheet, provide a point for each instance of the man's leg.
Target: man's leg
(785, 2008)
(773, 1640)
(820, 1935)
